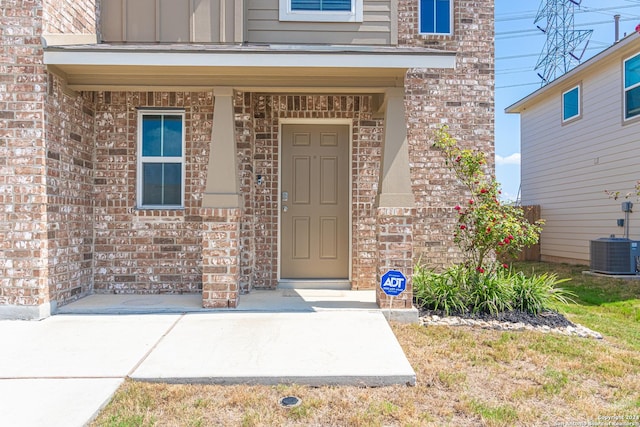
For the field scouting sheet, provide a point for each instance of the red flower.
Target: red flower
(510, 237)
(505, 266)
(457, 207)
(500, 243)
(458, 159)
(488, 230)
(483, 191)
(638, 28)
(470, 202)
(506, 240)
(480, 270)
(463, 227)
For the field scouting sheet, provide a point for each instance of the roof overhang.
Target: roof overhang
(267, 68)
(621, 47)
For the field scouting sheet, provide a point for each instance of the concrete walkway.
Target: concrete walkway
(61, 371)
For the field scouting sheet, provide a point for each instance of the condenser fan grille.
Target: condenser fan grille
(614, 256)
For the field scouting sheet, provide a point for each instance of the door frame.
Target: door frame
(294, 121)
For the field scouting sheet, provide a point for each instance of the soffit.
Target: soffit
(293, 68)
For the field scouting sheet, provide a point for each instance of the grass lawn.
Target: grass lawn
(466, 377)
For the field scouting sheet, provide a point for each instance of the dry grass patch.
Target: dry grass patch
(465, 377)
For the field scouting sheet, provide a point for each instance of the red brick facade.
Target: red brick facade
(69, 225)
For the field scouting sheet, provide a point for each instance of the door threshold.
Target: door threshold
(334, 284)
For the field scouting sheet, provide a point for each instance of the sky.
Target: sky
(518, 47)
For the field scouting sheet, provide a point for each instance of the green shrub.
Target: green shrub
(460, 289)
(537, 293)
(445, 291)
(490, 293)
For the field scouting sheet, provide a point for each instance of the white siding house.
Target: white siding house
(580, 136)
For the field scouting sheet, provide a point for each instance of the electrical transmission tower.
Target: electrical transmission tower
(565, 45)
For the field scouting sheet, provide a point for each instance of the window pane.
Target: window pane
(427, 16)
(151, 135)
(633, 102)
(443, 19)
(571, 104)
(632, 71)
(341, 5)
(172, 137)
(152, 184)
(321, 5)
(162, 184)
(172, 184)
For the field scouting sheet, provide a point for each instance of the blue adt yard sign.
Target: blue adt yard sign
(393, 283)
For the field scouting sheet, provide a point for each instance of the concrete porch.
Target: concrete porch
(257, 301)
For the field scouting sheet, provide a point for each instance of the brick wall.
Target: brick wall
(69, 16)
(463, 99)
(147, 251)
(69, 119)
(23, 233)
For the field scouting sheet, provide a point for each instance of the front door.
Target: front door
(315, 202)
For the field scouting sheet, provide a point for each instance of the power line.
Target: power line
(524, 33)
(518, 85)
(529, 55)
(532, 14)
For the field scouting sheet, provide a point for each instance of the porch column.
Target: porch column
(223, 187)
(395, 205)
(221, 210)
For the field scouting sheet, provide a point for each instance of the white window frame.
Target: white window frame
(354, 15)
(142, 160)
(626, 89)
(436, 33)
(579, 114)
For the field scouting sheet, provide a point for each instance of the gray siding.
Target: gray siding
(379, 26)
(566, 168)
(171, 21)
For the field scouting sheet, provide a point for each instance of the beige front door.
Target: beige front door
(315, 202)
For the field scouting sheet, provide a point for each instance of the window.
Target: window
(571, 104)
(321, 10)
(435, 16)
(632, 87)
(160, 159)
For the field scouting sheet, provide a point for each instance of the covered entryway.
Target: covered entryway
(239, 100)
(315, 202)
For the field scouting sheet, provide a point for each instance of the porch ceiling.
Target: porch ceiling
(292, 69)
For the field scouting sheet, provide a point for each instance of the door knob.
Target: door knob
(285, 208)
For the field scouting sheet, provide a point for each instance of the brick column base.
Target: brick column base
(220, 257)
(395, 252)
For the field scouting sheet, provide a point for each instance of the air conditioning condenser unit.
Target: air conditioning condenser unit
(612, 255)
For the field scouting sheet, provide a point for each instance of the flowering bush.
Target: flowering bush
(487, 228)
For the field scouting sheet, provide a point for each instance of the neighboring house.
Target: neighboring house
(580, 136)
(220, 146)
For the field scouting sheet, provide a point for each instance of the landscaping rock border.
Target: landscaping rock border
(548, 322)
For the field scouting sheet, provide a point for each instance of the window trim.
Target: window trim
(579, 114)
(164, 159)
(354, 15)
(434, 27)
(625, 89)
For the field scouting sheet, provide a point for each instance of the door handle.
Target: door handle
(285, 208)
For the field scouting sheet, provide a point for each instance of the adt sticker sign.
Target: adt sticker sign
(393, 283)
